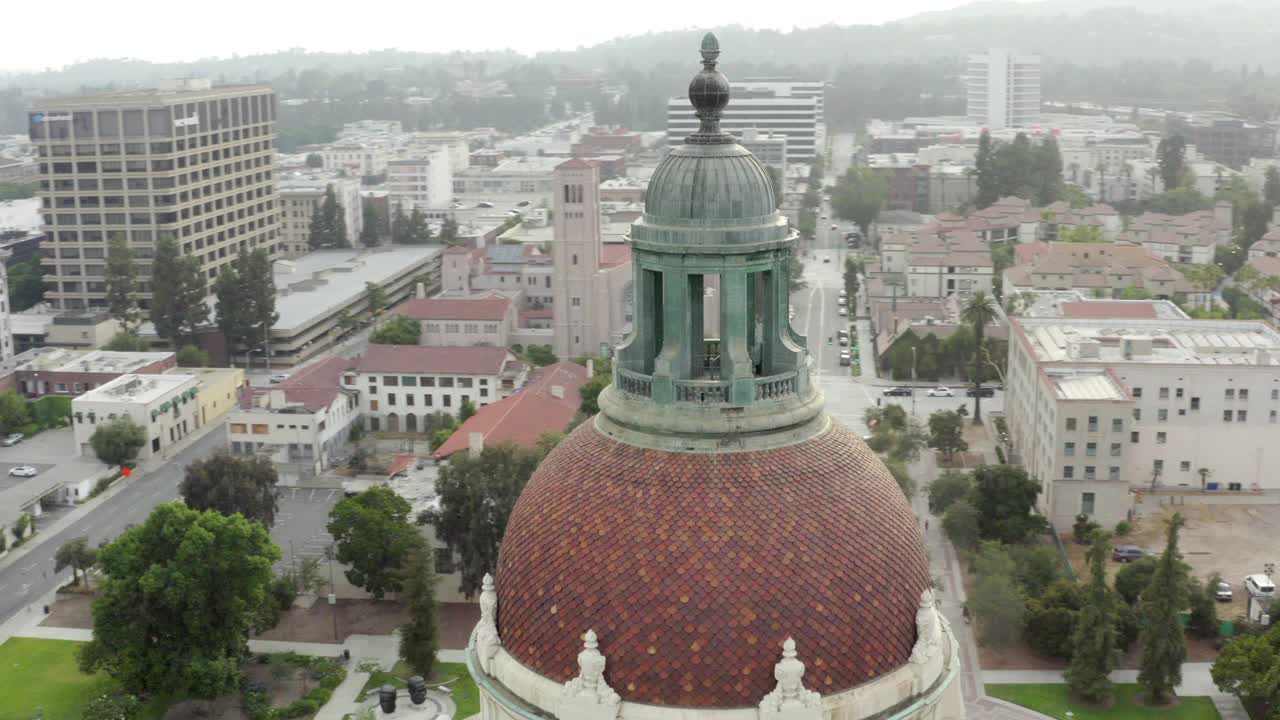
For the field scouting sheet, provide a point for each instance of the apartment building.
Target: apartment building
(938, 265)
(1189, 238)
(1097, 269)
(300, 424)
(1225, 138)
(300, 198)
(167, 408)
(356, 158)
(421, 182)
(1116, 397)
(795, 118)
(399, 385)
(186, 161)
(1002, 89)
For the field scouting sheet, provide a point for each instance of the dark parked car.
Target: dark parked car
(985, 392)
(898, 392)
(1127, 553)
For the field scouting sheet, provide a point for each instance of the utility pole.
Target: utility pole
(333, 594)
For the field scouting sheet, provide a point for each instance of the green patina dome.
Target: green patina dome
(710, 182)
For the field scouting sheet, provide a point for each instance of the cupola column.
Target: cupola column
(736, 366)
(675, 359)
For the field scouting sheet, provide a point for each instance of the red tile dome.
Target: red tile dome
(693, 568)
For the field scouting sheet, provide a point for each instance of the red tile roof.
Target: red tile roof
(400, 463)
(1118, 310)
(431, 359)
(613, 254)
(314, 386)
(489, 307)
(693, 568)
(522, 418)
(457, 250)
(1026, 252)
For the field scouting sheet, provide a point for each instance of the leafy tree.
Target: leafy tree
(233, 316)
(26, 285)
(1164, 646)
(1048, 171)
(775, 182)
(998, 606)
(590, 394)
(902, 476)
(1271, 187)
(375, 297)
(178, 294)
(399, 226)
(1204, 277)
(961, 524)
(418, 637)
(78, 555)
(984, 165)
(373, 536)
(14, 411)
(370, 227)
(116, 442)
(1035, 567)
(192, 356)
(112, 706)
(1247, 666)
(449, 232)
(858, 196)
(979, 312)
(126, 342)
(1081, 234)
(260, 291)
(1179, 201)
(398, 330)
(1204, 606)
(1134, 577)
(121, 282)
(17, 191)
(950, 487)
(1083, 528)
(1094, 642)
(328, 223)
(1171, 159)
(179, 597)
(465, 411)
(477, 495)
(540, 355)
(314, 160)
(1005, 497)
(1253, 224)
(417, 230)
(946, 433)
(230, 485)
(1051, 619)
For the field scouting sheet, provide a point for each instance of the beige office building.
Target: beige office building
(185, 160)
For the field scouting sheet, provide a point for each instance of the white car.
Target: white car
(278, 378)
(940, 392)
(842, 312)
(23, 471)
(841, 302)
(12, 439)
(835, 227)
(1223, 592)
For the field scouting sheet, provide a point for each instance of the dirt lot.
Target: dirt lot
(1234, 540)
(315, 624)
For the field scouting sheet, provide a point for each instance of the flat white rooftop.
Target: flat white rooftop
(322, 282)
(1168, 342)
(1096, 386)
(141, 389)
(96, 361)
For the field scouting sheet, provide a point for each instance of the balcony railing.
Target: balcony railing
(634, 383)
(702, 392)
(774, 387)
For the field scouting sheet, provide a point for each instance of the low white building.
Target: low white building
(300, 198)
(359, 159)
(1115, 398)
(517, 176)
(165, 406)
(467, 321)
(400, 385)
(422, 181)
(300, 424)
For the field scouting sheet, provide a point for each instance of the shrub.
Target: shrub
(1000, 455)
(1082, 529)
(1123, 528)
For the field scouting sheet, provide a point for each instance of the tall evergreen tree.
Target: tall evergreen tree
(260, 294)
(418, 637)
(988, 185)
(177, 294)
(233, 312)
(1171, 159)
(328, 223)
(449, 231)
(1164, 646)
(418, 231)
(370, 229)
(399, 226)
(121, 283)
(1048, 167)
(978, 313)
(1271, 187)
(1093, 644)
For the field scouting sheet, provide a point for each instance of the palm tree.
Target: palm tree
(979, 311)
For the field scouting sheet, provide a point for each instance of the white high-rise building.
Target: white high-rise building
(1003, 88)
(423, 181)
(792, 110)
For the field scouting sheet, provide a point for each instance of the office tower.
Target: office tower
(1003, 89)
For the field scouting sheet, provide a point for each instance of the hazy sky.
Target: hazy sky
(175, 31)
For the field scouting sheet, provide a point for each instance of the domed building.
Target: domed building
(712, 545)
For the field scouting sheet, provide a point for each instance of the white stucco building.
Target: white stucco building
(401, 384)
(1003, 88)
(165, 406)
(1113, 398)
(422, 181)
(300, 198)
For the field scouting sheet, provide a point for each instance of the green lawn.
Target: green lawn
(465, 693)
(44, 674)
(1054, 701)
